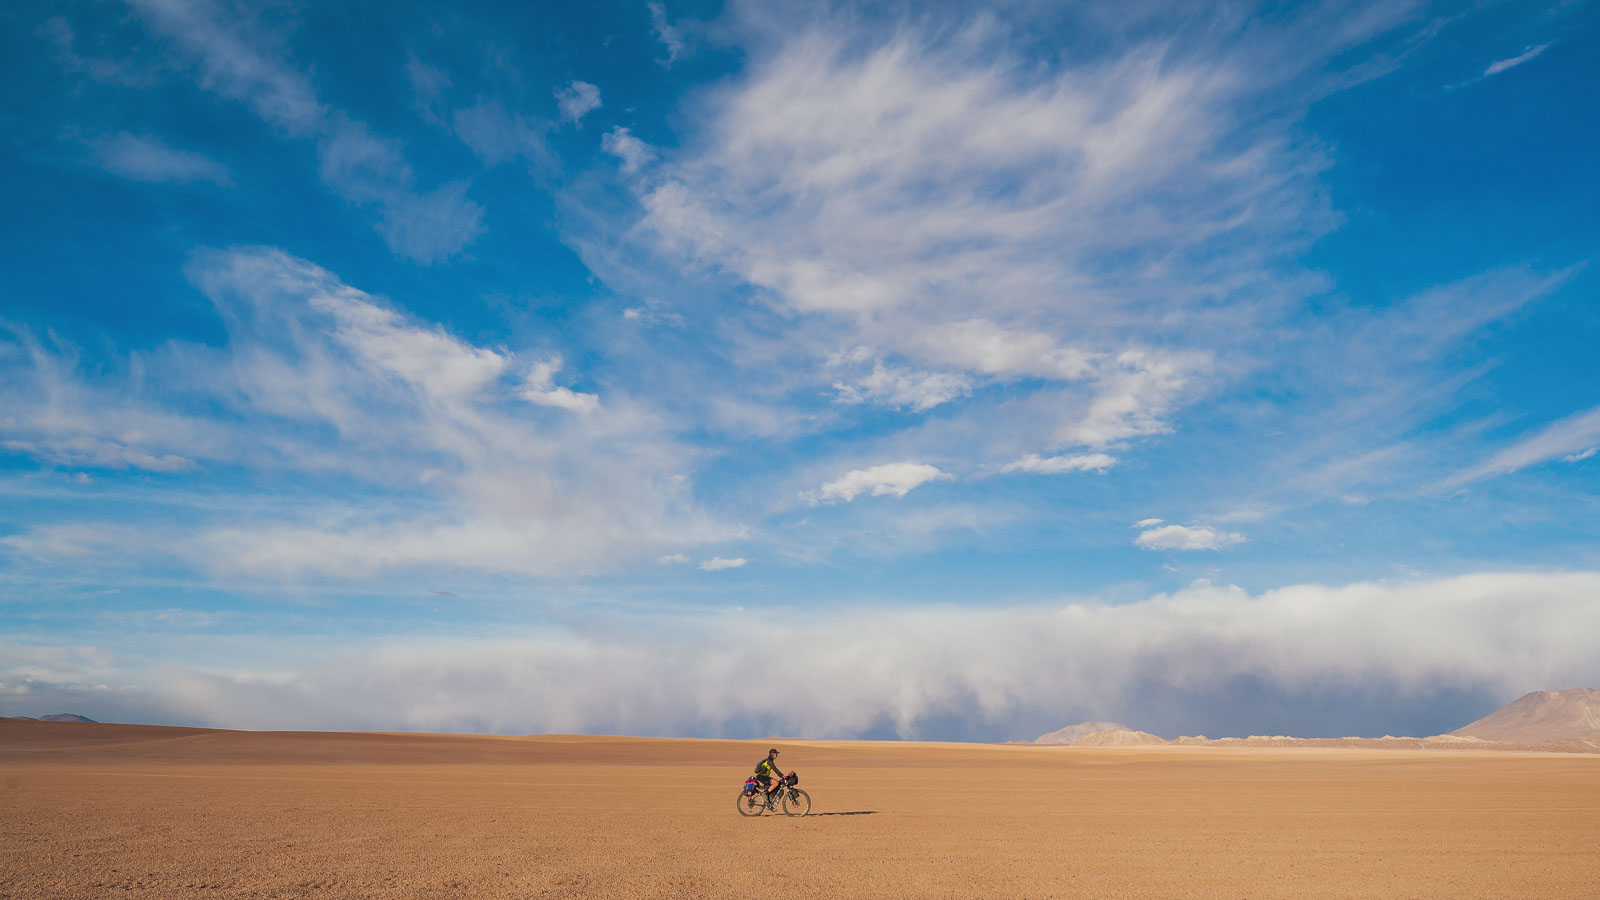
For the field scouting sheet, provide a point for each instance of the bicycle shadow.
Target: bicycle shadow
(853, 812)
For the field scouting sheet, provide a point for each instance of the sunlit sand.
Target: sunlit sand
(114, 810)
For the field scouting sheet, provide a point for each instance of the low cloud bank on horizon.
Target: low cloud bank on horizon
(1285, 661)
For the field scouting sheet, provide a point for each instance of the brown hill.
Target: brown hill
(1541, 716)
(1121, 737)
(1072, 734)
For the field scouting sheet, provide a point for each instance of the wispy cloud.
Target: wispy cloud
(231, 66)
(144, 158)
(1498, 66)
(1373, 384)
(634, 153)
(1185, 537)
(318, 376)
(432, 227)
(1573, 438)
(576, 100)
(98, 453)
(498, 136)
(718, 563)
(1068, 200)
(914, 389)
(1495, 68)
(540, 388)
(114, 68)
(1056, 465)
(55, 413)
(669, 36)
(428, 83)
(897, 479)
(1022, 259)
(426, 227)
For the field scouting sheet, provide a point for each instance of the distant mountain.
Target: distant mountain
(1539, 717)
(63, 717)
(1566, 720)
(1072, 734)
(1121, 737)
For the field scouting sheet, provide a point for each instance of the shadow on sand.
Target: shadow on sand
(854, 812)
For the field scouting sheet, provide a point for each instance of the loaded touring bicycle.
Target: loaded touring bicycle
(753, 801)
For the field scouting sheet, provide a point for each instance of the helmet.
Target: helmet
(772, 751)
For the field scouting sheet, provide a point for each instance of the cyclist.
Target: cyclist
(765, 770)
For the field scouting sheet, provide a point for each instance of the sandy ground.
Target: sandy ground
(109, 811)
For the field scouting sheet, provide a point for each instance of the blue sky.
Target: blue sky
(696, 369)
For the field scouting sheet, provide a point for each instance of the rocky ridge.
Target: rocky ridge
(1565, 721)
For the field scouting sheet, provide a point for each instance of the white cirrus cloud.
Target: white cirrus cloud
(316, 379)
(1070, 201)
(430, 227)
(144, 158)
(1055, 465)
(673, 559)
(576, 100)
(981, 346)
(498, 136)
(1186, 537)
(99, 453)
(428, 84)
(897, 479)
(914, 389)
(1498, 66)
(540, 388)
(718, 563)
(668, 34)
(1132, 397)
(813, 182)
(425, 226)
(232, 66)
(436, 362)
(634, 153)
(1573, 438)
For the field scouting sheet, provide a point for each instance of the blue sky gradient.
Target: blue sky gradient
(953, 371)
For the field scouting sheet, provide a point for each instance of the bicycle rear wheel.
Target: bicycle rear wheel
(751, 804)
(796, 802)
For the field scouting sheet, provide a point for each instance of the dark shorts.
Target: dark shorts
(764, 780)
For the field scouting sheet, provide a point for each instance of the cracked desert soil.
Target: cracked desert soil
(119, 810)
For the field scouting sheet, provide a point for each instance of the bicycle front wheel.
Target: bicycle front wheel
(796, 802)
(751, 804)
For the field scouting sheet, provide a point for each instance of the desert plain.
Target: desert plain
(94, 810)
